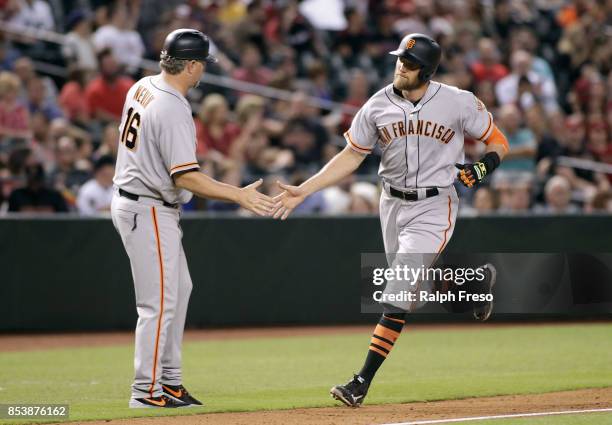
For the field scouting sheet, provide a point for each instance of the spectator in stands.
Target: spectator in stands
(36, 197)
(41, 143)
(336, 199)
(485, 91)
(120, 37)
(574, 145)
(283, 61)
(358, 94)
(109, 144)
(106, 94)
(514, 192)
(601, 203)
(214, 130)
(537, 121)
(303, 133)
(524, 38)
(521, 141)
(251, 27)
(558, 195)
(485, 201)
(296, 31)
(251, 70)
(8, 54)
(342, 63)
(588, 94)
(14, 115)
(32, 13)
(68, 175)
(416, 16)
(37, 102)
(231, 12)
(253, 147)
(355, 36)
(364, 198)
(96, 195)
(488, 67)
(520, 198)
(263, 159)
(24, 68)
(78, 48)
(381, 40)
(318, 84)
(507, 89)
(72, 98)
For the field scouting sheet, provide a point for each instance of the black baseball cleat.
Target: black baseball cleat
(180, 393)
(353, 393)
(156, 402)
(483, 309)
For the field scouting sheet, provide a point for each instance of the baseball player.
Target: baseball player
(156, 172)
(419, 126)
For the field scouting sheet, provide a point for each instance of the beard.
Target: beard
(401, 83)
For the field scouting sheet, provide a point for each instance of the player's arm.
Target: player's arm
(497, 147)
(478, 122)
(205, 187)
(340, 166)
(360, 141)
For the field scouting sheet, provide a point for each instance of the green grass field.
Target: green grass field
(283, 373)
(586, 419)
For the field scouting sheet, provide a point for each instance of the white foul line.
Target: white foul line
(518, 415)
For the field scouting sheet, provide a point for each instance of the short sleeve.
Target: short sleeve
(84, 201)
(477, 121)
(362, 135)
(177, 143)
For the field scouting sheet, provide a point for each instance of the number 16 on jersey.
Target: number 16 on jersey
(129, 136)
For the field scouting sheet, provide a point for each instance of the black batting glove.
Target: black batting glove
(471, 175)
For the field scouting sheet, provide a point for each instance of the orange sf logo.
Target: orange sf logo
(410, 44)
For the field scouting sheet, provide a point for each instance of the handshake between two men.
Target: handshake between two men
(279, 206)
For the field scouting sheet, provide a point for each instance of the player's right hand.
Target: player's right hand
(288, 200)
(250, 199)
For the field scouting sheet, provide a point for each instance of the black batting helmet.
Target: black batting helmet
(188, 44)
(422, 50)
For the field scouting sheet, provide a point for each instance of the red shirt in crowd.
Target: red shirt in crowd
(107, 97)
(14, 117)
(206, 141)
(73, 101)
(492, 73)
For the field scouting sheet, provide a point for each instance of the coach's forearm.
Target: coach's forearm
(340, 166)
(203, 186)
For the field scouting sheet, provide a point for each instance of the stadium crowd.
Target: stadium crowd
(541, 67)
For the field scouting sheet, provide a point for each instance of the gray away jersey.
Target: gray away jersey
(156, 139)
(420, 143)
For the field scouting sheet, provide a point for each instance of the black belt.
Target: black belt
(413, 195)
(136, 197)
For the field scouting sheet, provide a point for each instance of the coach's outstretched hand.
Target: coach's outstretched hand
(288, 200)
(252, 200)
